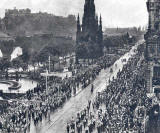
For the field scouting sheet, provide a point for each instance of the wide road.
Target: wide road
(63, 115)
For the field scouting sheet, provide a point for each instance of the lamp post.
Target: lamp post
(46, 82)
(49, 64)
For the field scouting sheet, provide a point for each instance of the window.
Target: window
(156, 71)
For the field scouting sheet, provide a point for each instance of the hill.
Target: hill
(24, 23)
(37, 32)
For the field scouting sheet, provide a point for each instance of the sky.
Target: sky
(115, 13)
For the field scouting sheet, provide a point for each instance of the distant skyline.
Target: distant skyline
(115, 13)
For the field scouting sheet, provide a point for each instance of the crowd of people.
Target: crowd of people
(38, 104)
(124, 95)
(117, 105)
(90, 119)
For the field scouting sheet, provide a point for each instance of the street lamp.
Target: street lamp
(49, 58)
(46, 82)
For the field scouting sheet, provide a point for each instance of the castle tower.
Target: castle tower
(152, 53)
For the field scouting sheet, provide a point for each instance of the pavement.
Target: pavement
(77, 103)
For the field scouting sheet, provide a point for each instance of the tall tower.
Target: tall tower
(90, 36)
(152, 52)
(89, 20)
(78, 36)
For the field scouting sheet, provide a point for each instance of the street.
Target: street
(84, 66)
(70, 109)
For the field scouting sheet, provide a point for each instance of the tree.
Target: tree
(4, 64)
(81, 51)
(24, 66)
(17, 63)
(54, 59)
(34, 61)
(25, 57)
(71, 61)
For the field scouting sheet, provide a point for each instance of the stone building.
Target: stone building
(152, 52)
(89, 32)
(16, 12)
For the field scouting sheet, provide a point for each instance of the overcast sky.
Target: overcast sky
(121, 13)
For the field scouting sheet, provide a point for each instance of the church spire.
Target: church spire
(100, 22)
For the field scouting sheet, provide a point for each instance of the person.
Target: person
(111, 70)
(68, 127)
(92, 88)
(49, 113)
(86, 130)
(89, 103)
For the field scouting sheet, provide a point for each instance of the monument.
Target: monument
(89, 37)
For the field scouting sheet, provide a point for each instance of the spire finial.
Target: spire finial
(78, 23)
(78, 19)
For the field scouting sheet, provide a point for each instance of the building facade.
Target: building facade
(16, 12)
(90, 31)
(152, 52)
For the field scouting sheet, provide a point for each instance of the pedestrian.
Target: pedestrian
(68, 127)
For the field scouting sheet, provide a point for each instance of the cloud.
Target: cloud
(121, 13)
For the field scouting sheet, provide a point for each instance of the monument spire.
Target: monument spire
(100, 32)
(78, 29)
(91, 33)
(78, 23)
